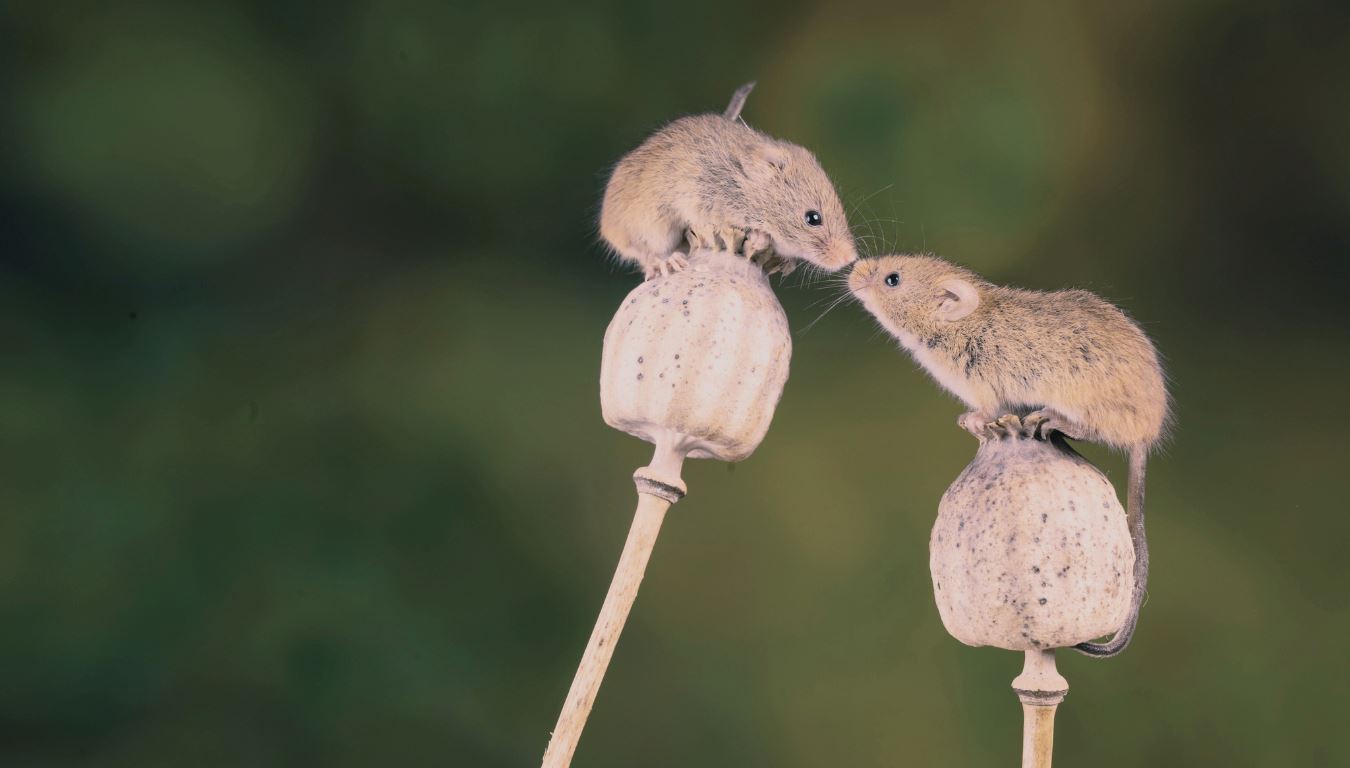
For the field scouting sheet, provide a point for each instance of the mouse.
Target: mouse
(1069, 360)
(711, 177)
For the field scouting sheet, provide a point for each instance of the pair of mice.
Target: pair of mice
(1078, 364)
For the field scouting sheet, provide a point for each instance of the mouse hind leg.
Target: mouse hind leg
(976, 422)
(1048, 420)
(660, 243)
(623, 246)
(635, 236)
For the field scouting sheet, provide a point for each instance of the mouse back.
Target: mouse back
(1001, 349)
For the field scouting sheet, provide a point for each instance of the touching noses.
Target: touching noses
(843, 253)
(862, 272)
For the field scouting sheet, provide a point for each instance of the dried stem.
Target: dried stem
(1038, 735)
(1040, 688)
(659, 486)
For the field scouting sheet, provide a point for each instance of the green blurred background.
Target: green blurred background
(303, 460)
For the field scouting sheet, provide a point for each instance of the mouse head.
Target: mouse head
(915, 296)
(792, 200)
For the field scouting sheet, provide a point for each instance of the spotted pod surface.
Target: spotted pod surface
(1031, 548)
(701, 353)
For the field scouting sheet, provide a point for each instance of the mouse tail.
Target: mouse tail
(733, 110)
(1135, 518)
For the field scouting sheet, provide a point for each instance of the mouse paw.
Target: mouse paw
(698, 240)
(756, 241)
(1041, 423)
(729, 239)
(675, 262)
(976, 423)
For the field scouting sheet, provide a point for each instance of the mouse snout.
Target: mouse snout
(862, 274)
(841, 253)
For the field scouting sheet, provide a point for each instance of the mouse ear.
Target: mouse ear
(959, 299)
(767, 162)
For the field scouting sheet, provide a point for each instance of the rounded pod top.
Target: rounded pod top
(1030, 549)
(698, 356)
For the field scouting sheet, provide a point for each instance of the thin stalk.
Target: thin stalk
(1040, 688)
(659, 486)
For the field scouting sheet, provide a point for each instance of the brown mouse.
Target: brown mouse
(714, 176)
(1082, 365)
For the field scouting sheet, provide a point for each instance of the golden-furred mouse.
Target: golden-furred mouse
(715, 176)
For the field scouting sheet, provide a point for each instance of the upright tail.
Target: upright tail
(737, 102)
(1135, 517)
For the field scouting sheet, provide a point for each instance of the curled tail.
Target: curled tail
(737, 102)
(1135, 517)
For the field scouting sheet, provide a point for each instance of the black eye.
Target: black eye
(813, 218)
(893, 279)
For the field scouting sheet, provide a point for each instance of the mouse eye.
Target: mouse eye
(813, 218)
(893, 279)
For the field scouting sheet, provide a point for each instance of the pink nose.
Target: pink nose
(863, 269)
(842, 253)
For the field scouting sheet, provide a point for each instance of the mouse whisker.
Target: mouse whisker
(888, 244)
(838, 300)
(868, 219)
(882, 218)
(869, 238)
(869, 197)
(822, 300)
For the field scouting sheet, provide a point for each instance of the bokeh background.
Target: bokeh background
(303, 461)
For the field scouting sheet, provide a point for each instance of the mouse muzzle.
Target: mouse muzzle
(863, 272)
(840, 254)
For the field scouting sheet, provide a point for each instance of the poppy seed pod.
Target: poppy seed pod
(698, 358)
(1031, 550)
(694, 362)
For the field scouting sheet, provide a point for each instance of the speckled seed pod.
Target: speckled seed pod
(1030, 549)
(701, 353)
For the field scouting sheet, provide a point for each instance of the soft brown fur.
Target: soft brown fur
(714, 175)
(1081, 363)
(1020, 350)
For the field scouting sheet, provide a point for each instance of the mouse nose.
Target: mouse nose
(842, 253)
(863, 269)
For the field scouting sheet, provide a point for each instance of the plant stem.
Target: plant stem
(1040, 688)
(659, 486)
